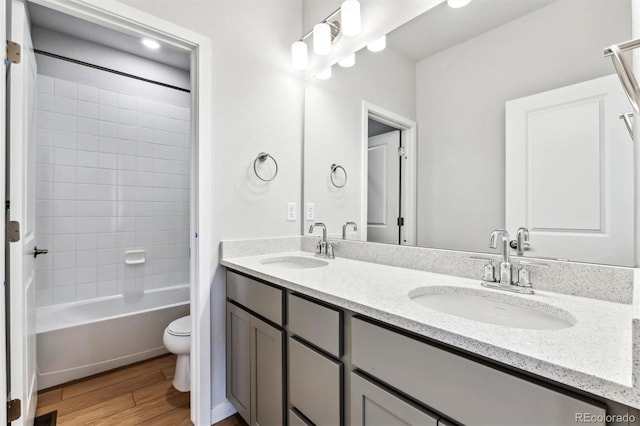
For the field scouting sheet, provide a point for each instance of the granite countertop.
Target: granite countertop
(594, 355)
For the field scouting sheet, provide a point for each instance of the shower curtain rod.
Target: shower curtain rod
(101, 68)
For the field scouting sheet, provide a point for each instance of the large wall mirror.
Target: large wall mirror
(499, 115)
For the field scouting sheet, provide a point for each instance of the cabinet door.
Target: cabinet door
(374, 406)
(238, 360)
(267, 374)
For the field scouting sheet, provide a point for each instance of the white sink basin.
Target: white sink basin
(294, 262)
(493, 308)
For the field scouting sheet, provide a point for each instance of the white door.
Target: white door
(22, 341)
(569, 172)
(383, 188)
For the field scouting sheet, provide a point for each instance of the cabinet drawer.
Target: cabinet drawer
(372, 405)
(315, 384)
(316, 324)
(256, 296)
(465, 390)
(296, 420)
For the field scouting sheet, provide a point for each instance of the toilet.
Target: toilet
(177, 340)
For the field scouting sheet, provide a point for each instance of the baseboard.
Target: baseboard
(222, 411)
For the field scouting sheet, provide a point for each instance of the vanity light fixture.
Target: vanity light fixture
(347, 61)
(456, 4)
(299, 55)
(151, 44)
(325, 74)
(378, 44)
(327, 33)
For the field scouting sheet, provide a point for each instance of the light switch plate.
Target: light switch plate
(291, 211)
(310, 211)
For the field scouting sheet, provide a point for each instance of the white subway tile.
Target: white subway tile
(126, 101)
(44, 208)
(45, 102)
(145, 105)
(64, 208)
(44, 137)
(144, 208)
(86, 192)
(126, 162)
(64, 294)
(44, 297)
(127, 132)
(126, 178)
(107, 177)
(64, 260)
(88, 109)
(86, 241)
(86, 274)
(145, 135)
(107, 272)
(108, 129)
(64, 191)
(87, 208)
(144, 193)
(44, 172)
(126, 116)
(107, 97)
(174, 111)
(144, 179)
(65, 106)
(108, 209)
(87, 142)
(107, 161)
(87, 93)
(186, 113)
(127, 193)
(44, 155)
(86, 291)
(89, 126)
(45, 84)
(106, 257)
(144, 164)
(45, 120)
(106, 241)
(127, 147)
(64, 174)
(161, 109)
(107, 224)
(87, 174)
(107, 192)
(86, 225)
(160, 123)
(44, 190)
(126, 224)
(144, 149)
(176, 126)
(108, 113)
(64, 122)
(64, 243)
(87, 159)
(126, 240)
(64, 225)
(65, 88)
(87, 258)
(107, 288)
(108, 145)
(64, 139)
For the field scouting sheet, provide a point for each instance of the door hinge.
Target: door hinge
(13, 52)
(13, 231)
(14, 410)
(401, 151)
(401, 221)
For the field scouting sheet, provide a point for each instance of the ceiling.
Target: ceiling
(443, 27)
(48, 18)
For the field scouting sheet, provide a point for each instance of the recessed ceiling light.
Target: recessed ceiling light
(151, 44)
(458, 3)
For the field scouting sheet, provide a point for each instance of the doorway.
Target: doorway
(134, 23)
(389, 176)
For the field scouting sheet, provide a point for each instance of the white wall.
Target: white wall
(461, 94)
(333, 130)
(257, 106)
(112, 175)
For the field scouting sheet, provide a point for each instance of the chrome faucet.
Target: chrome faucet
(344, 229)
(323, 247)
(505, 265)
(521, 241)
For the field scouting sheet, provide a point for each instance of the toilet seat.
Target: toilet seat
(180, 327)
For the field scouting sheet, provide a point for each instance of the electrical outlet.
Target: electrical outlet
(310, 211)
(291, 211)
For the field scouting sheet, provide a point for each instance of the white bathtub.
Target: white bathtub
(78, 339)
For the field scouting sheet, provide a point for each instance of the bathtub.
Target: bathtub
(78, 339)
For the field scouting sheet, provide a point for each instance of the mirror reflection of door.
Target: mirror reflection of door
(384, 197)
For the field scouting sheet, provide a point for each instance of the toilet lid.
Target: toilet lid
(180, 327)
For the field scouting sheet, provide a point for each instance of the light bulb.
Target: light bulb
(325, 74)
(378, 44)
(350, 16)
(299, 55)
(348, 61)
(321, 39)
(151, 44)
(458, 3)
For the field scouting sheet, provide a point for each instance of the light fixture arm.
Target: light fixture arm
(335, 25)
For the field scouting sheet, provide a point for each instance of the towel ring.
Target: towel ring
(262, 157)
(334, 168)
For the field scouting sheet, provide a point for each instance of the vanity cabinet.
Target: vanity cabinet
(255, 354)
(373, 406)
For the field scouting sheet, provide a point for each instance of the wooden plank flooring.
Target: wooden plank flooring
(140, 394)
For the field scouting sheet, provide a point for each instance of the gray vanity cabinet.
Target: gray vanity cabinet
(255, 355)
(373, 406)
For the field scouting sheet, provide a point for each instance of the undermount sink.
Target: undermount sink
(294, 262)
(493, 308)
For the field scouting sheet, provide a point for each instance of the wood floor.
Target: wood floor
(140, 394)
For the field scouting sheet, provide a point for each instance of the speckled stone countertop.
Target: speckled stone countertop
(594, 355)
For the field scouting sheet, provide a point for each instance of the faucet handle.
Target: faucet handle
(524, 275)
(489, 274)
(329, 251)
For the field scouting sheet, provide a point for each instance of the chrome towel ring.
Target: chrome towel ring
(334, 170)
(262, 157)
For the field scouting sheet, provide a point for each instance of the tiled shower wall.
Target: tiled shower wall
(112, 175)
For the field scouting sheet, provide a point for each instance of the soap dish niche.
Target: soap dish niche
(134, 257)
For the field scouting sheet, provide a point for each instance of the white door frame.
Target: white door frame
(121, 17)
(408, 131)
(3, 123)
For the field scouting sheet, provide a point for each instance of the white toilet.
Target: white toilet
(177, 340)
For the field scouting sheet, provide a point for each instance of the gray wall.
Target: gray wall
(461, 95)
